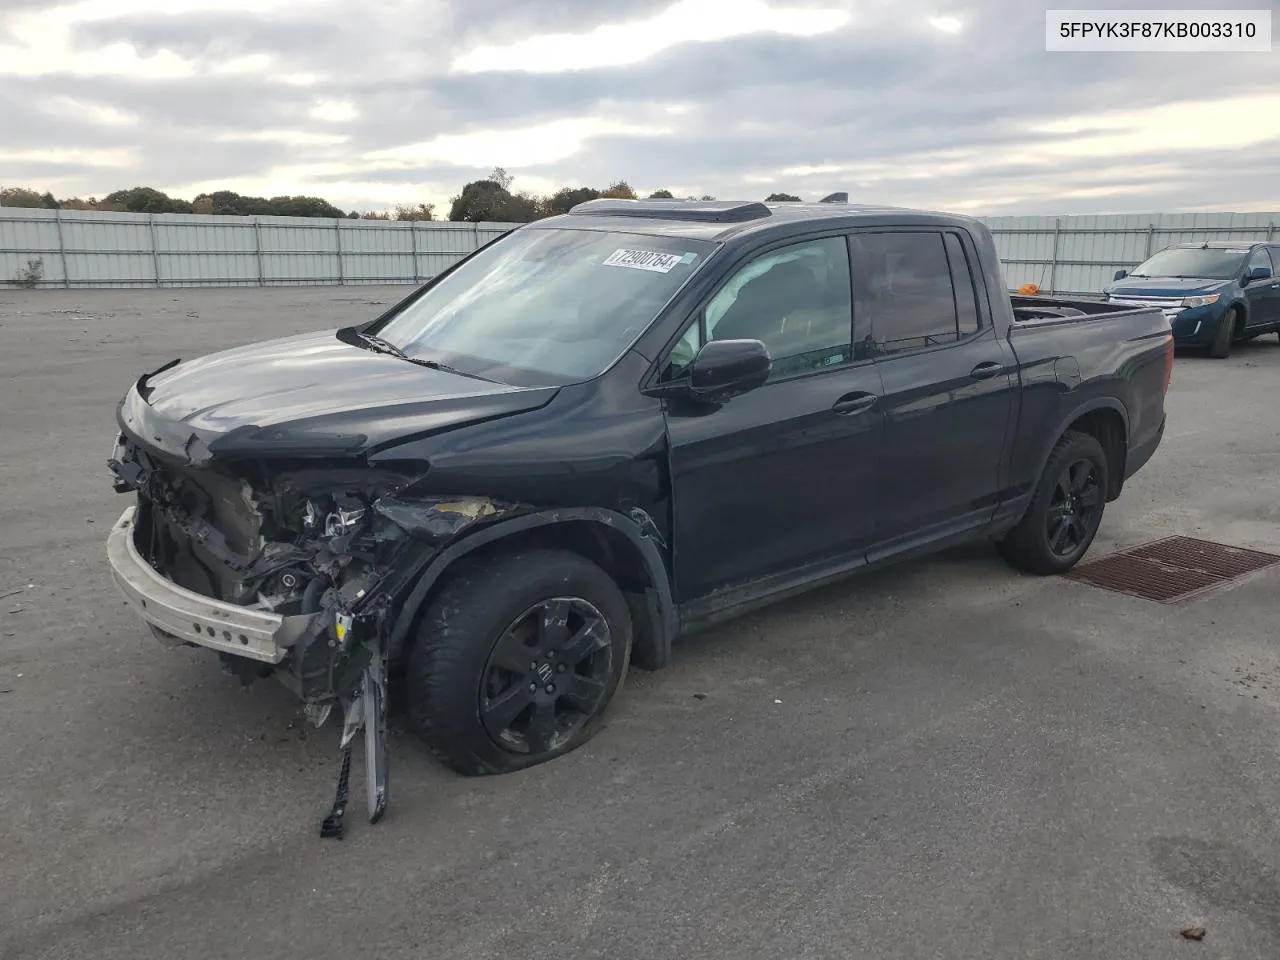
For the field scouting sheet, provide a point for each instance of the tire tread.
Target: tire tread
(1023, 547)
(445, 650)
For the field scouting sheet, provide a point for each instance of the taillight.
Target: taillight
(1168, 364)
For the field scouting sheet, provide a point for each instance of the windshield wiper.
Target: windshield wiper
(445, 368)
(378, 345)
(382, 346)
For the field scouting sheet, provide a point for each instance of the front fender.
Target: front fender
(1235, 303)
(433, 565)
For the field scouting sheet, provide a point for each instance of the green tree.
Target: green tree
(502, 178)
(304, 207)
(228, 203)
(27, 198)
(662, 195)
(144, 200)
(618, 190)
(781, 198)
(423, 211)
(566, 198)
(488, 201)
(76, 203)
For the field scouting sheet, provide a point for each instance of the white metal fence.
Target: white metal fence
(71, 249)
(1081, 254)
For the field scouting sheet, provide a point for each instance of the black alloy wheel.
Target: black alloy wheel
(1072, 517)
(547, 676)
(516, 659)
(1065, 511)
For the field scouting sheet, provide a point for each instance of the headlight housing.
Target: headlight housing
(1201, 301)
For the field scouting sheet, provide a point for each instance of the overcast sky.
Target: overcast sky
(942, 103)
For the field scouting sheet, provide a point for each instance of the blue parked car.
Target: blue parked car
(1215, 294)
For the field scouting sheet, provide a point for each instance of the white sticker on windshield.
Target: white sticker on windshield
(643, 260)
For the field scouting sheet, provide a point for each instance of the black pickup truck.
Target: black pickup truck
(604, 430)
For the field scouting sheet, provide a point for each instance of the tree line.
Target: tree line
(489, 200)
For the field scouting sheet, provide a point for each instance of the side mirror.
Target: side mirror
(1257, 273)
(726, 368)
(1120, 274)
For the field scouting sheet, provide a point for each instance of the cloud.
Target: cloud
(634, 41)
(333, 111)
(945, 104)
(532, 146)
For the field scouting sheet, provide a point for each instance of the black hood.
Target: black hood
(309, 395)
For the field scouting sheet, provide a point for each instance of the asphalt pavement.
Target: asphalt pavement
(942, 760)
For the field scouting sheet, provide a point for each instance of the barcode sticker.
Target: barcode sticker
(644, 260)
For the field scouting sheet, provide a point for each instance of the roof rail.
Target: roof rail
(700, 211)
(841, 197)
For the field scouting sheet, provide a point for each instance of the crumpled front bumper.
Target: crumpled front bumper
(188, 616)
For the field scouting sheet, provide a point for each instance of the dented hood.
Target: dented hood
(307, 395)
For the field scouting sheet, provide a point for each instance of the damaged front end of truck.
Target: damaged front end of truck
(291, 563)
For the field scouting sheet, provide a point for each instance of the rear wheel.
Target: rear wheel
(1065, 511)
(516, 660)
(1222, 339)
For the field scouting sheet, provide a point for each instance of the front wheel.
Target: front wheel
(1220, 349)
(516, 660)
(1065, 511)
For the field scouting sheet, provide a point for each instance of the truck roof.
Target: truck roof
(1220, 244)
(718, 220)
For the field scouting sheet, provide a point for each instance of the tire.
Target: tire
(1220, 349)
(1033, 545)
(485, 679)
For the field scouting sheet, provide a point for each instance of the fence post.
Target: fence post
(413, 233)
(1271, 230)
(62, 249)
(155, 247)
(1151, 238)
(337, 233)
(257, 251)
(1053, 260)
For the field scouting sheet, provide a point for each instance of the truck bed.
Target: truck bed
(1087, 357)
(1040, 310)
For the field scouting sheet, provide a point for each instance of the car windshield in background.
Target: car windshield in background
(1197, 262)
(546, 306)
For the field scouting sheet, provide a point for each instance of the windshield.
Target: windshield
(546, 306)
(1197, 262)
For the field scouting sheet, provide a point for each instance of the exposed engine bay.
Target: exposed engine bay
(337, 542)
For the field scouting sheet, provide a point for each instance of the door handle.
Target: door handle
(987, 370)
(852, 403)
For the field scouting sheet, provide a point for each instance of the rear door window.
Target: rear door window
(902, 283)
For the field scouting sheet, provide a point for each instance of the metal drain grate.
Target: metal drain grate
(1171, 569)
